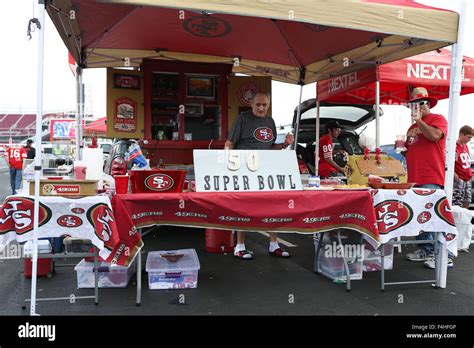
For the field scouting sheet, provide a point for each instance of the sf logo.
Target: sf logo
(159, 182)
(388, 218)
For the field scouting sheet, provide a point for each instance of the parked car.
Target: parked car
(106, 148)
(350, 117)
(116, 163)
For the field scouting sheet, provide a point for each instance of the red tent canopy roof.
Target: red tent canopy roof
(430, 70)
(279, 39)
(98, 127)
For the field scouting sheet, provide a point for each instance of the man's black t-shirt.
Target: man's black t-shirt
(250, 132)
(30, 152)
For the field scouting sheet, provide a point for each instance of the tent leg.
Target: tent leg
(316, 150)
(39, 119)
(454, 93)
(377, 113)
(298, 117)
(79, 115)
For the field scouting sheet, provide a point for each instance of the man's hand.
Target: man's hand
(289, 139)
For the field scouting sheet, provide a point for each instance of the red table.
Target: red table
(282, 211)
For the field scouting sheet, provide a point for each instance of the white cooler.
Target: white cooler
(172, 269)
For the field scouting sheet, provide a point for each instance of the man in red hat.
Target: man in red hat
(426, 159)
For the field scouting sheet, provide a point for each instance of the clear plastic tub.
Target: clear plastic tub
(110, 276)
(172, 269)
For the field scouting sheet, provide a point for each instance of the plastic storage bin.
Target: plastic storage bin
(110, 276)
(373, 259)
(330, 259)
(172, 269)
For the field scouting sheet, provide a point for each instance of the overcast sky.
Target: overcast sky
(18, 75)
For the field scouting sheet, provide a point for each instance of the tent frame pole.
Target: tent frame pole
(454, 94)
(79, 115)
(377, 111)
(38, 169)
(316, 149)
(298, 113)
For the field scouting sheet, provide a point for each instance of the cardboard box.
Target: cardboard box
(65, 187)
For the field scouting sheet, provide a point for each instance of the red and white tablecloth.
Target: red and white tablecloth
(290, 211)
(87, 217)
(411, 212)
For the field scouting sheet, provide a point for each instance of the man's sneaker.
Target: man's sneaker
(419, 255)
(431, 263)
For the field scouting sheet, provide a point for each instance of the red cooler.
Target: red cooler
(219, 241)
(45, 267)
(157, 181)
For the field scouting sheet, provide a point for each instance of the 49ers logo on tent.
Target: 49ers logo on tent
(16, 214)
(424, 192)
(263, 134)
(69, 221)
(159, 182)
(443, 210)
(392, 214)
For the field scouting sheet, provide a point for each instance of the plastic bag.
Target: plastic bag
(135, 155)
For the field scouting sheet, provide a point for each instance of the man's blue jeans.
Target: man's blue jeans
(15, 179)
(429, 248)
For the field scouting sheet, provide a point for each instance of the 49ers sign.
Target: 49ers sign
(392, 214)
(246, 170)
(413, 212)
(159, 182)
(16, 214)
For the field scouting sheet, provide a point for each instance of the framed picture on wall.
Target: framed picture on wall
(126, 81)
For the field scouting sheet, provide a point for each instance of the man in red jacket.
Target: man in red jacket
(15, 156)
(462, 169)
(426, 160)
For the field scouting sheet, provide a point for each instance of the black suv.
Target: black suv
(349, 116)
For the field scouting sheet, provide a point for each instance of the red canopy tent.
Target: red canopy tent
(430, 70)
(97, 127)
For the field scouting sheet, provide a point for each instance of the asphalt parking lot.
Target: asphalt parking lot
(263, 286)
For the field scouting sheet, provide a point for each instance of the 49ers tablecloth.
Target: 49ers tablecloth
(87, 217)
(411, 212)
(282, 211)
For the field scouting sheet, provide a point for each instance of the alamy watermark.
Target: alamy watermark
(11, 251)
(350, 252)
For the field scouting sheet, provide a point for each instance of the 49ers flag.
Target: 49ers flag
(88, 217)
(412, 212)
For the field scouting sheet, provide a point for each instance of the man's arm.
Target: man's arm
(334, 165)
(229, 145)
(431, 133)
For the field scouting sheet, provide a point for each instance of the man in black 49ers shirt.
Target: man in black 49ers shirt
(255, 130)
(462, 169)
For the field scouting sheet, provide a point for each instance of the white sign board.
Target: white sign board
(246, 170)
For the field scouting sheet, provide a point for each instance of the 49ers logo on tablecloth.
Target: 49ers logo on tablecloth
(100, 216)
(16, 214)
(443, 210)
(263, 134)
(423, 217)
(69, 221)
(424, 192)
(159, 182)
(392, 214)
